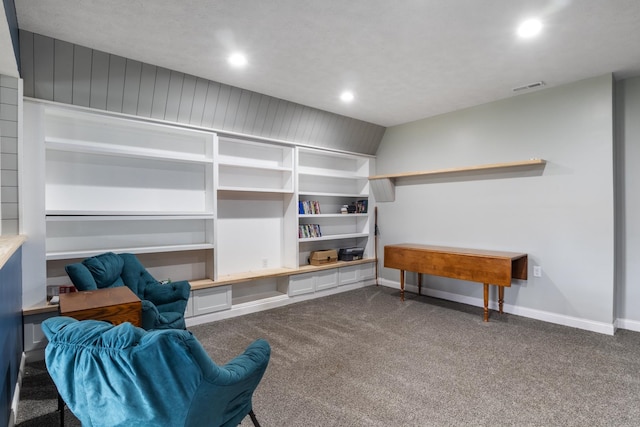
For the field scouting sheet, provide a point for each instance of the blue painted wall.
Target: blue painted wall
(11, 342)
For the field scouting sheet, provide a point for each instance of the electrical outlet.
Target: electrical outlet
(537, 271)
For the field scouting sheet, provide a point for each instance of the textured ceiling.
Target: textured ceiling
(404, 59)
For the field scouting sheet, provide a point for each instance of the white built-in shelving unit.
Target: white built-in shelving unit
(218, 210)
(333, 180)
(123, 185)
(255, 187)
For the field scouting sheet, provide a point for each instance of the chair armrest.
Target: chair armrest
(230, 386)
(171, 296)
(160, 293)
(53, 325)
(249, 365)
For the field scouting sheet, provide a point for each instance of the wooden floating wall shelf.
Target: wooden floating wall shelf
(383, 186)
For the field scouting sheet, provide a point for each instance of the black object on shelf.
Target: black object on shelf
(350, 254)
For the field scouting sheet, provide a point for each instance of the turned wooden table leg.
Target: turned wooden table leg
(486, 302)
(500, 297)
(402, 285)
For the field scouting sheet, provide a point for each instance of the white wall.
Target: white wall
(628, 127)
(562, 217)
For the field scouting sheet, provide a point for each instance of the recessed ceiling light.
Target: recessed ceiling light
(237, 59)
(346, 96)
(530, 28)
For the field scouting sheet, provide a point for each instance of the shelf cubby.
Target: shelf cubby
(83, 236)
(131, 137)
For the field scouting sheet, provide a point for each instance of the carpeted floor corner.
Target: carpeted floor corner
(365, 358)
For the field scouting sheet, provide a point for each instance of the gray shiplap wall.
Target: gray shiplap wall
(9, 154)
(59, 71)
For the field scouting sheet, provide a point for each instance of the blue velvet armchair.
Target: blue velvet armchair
(163, 304)
(125, 376)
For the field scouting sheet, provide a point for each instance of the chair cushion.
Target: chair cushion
(105, 269)
(122, 376)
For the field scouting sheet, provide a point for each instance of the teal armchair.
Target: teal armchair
(125, 376)
(163, 304)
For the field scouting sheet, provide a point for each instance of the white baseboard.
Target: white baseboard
(545, 316)
(16, 392)
(631, 325)
(35, 355)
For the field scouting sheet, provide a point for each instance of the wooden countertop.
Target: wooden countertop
(8, 246)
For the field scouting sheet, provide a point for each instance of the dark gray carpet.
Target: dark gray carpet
(364, 358)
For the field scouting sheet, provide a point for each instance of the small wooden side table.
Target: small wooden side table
(114, 305)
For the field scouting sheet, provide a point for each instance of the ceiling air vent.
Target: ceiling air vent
(528, 87)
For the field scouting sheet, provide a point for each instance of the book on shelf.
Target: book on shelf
(309, 207)
(306, 231)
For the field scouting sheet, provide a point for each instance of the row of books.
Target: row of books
(307, 207)
(312, 207)
(309, 230)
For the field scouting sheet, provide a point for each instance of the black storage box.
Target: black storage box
(350, 254)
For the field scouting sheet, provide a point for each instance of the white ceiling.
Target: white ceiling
(404, 59)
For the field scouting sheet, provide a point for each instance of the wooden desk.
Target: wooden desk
(115, 305)
(487, 267)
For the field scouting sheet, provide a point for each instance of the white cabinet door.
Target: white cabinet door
(357, 273)
(349, 274)
(211, 300)
(326, 279)
(188, 312)
(367, 271)
(301, 284)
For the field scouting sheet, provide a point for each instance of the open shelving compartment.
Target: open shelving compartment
(127, 185)
(332, 180)
(244, 165)
(255, 204)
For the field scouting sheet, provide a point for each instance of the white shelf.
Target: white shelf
(384, 185)
(254, 167)
(72, 128)
(325, 194)
(318, 172)
(336, 215)
(254, 190)
(90, 182)
(133, 250)
(240, 164)
(123, 216)
(334, 237)
(333, 164)
(328, 185)
(89, 147)
(243, 153)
